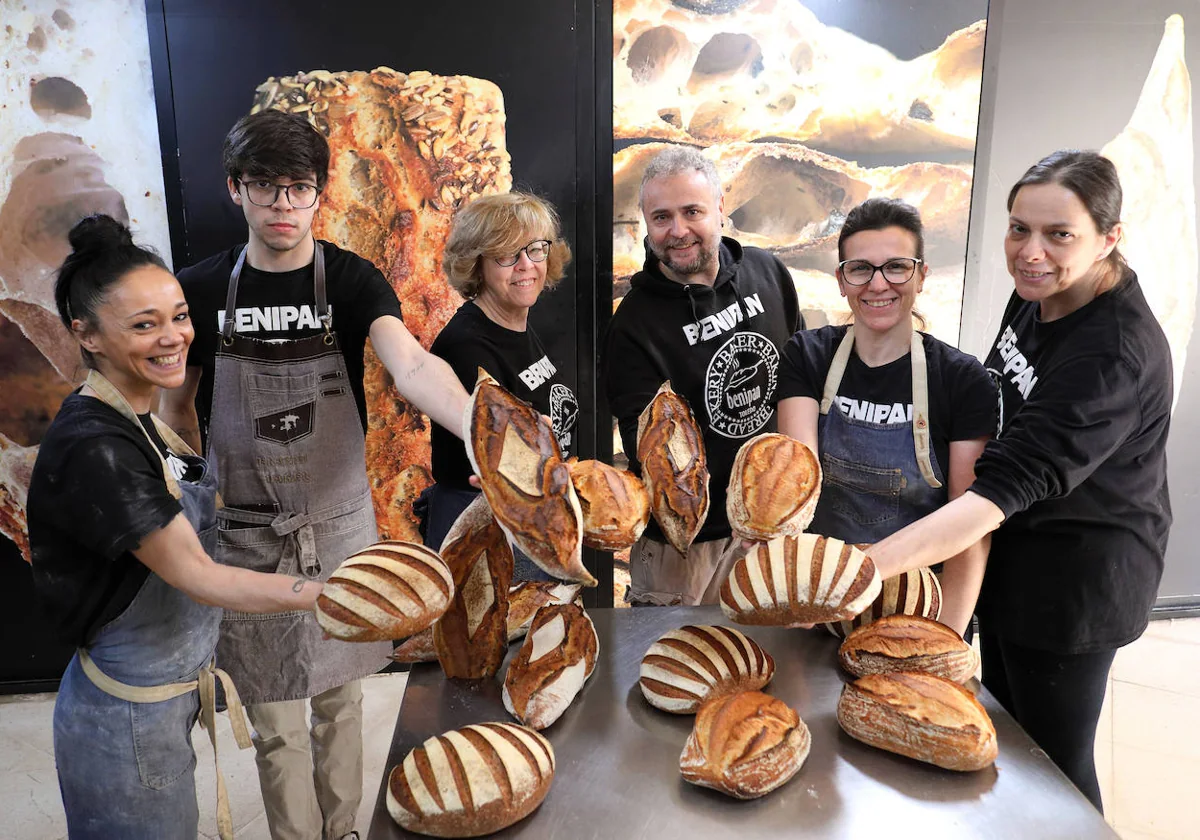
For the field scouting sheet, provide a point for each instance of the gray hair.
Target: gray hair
(675, 161)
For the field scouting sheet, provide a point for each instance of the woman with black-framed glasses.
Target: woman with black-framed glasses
(896, 416)
(502, 252)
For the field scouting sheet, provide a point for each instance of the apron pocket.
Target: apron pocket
(863, 494)
(162, 739)
(269, 393)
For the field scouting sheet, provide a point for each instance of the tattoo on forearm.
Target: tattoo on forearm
(414, 370)
(298, 585)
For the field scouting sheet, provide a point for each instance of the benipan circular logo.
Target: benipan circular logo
(739, 387)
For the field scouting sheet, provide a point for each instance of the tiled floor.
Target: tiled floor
(1147, 750)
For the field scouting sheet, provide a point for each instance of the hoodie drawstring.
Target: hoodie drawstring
(692, 301)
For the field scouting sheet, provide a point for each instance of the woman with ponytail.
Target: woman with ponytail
(122, 527)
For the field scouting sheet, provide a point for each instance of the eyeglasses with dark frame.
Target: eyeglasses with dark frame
(537, 251)
(263, 193)
(897, 270)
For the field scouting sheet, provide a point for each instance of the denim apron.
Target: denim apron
(288, 445)
(128, 701)
(877, 477)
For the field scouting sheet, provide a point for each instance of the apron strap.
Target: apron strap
(920, 398)
(231, 297)
(206, 684)
(837, 369)
(323, 313)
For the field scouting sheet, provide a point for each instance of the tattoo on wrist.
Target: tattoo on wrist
(298, 585)
(414, 370)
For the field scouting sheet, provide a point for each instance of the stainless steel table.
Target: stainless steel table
(618, 758)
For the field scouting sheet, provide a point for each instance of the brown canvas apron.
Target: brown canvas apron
(287, 441)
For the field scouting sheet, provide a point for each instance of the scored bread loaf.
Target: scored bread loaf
(556, 658)
(693, 664)
(471, 638)
(670, 447)
(615, 504)
(527, 484)
(472, 781)
(389, 590)
(524, 599)
(915, 592)
(773, 487)
(908, 643)
(745, 745)
(805, 579)
(920, 716)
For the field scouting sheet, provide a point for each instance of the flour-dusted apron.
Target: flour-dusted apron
(128, 701)
(878, 477)
(287, 441)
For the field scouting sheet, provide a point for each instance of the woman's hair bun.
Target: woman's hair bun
(99, 233)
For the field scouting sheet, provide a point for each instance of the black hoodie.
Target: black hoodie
(719, 346)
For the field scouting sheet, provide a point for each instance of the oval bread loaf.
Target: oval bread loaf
(471, 781)
(556, 658)
(670, 447)
(915, 592)
(615, 504)
(527, 483)
(908, 643)
(745, 745)
(693, 664)
(389, 590)
(773, 487)
(804, 579)
(920, 716)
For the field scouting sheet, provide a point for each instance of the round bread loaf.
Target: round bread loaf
(773, 487)
(806, 579)
(615, 504)
(908, 643)
(915, 592)
(693, 664)
(389, 590)
(745, 745)
(471, 781)
(920, 716)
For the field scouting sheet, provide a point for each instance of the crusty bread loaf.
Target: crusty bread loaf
(416, 648)
(556, 658)
(915, 592)
(471, 781)
(615, 504)
(920, 716)
(745, 745)
(773, 487)
(527, 484)
(529, 596)
(471, 638)
(805, 579)
(908, 643)
(674, 466)
(389, 590)
(693, 664)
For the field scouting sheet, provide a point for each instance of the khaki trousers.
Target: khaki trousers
(661, 576)
(310, 770)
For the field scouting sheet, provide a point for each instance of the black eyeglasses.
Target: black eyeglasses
(537, 251)
(264, 193)
(897, 270)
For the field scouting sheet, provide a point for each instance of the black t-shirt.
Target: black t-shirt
(276, 306)
(97, 491)
(962, 397)
(519, 363)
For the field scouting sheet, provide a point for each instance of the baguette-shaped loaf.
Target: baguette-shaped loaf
(745, 745)
(674, 466)
(389, 590)
(920, 716)
(908, 643)
(915, 592)
(471, 781)
(556, 658)
(471, 638)
(527, 484)
(524, 599)
(693, 664)
(804, 579)
(615, 504)
(773, 487)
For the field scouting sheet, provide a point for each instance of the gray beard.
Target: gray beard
(703, 261)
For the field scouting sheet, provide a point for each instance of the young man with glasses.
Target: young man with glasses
(275, 389)
(711, 317)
